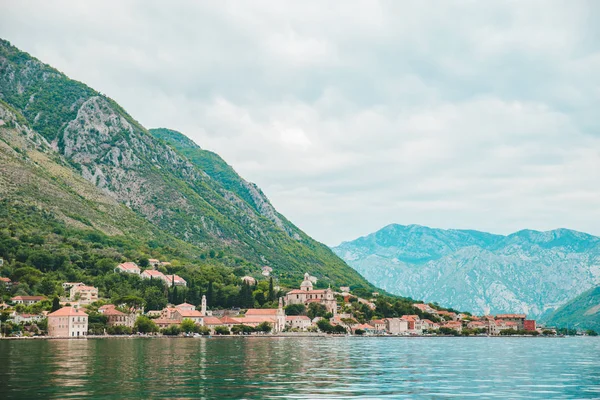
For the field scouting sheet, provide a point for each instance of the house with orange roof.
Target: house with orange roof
(116, 317)
(456, 325)
(154, 274)
(23, 318)
(194, 315)
(106, 307)
(429, 325)
(154, 262)
(379, 325)
(68, 322)
(274, 316)
(425, 308)
(165, 322)
(519, 319)
(369, 329)
(175, 280)
(27, 300)
(186, 307)
(84, 294)
(128, 268)
(6, 282)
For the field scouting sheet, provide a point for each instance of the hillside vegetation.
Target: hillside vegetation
(583, 312)
(93, 187)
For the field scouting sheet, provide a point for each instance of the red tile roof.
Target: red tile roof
(212, 321)
(2, 279)
(128, 265)
(28, 298)
(67, 312)
(502, 316)
(261, 311)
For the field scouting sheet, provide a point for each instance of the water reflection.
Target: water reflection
(258, 367)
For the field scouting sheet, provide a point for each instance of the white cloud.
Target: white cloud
(355, 114)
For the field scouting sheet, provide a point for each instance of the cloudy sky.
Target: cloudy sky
(352, 115)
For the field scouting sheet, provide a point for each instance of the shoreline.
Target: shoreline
(275, 336)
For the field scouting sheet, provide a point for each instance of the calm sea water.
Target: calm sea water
(320, 368)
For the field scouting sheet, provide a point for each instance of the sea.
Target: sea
(302, 368)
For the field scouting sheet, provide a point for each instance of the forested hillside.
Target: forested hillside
(85, 186)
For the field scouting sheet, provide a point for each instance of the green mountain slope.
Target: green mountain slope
(179, 189)
(583, 312)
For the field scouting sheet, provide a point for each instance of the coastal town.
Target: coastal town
(302, 311)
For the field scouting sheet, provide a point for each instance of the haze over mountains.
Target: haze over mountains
(528, 271)
(74, 155)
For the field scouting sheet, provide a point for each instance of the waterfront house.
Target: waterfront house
(27, 300)
(456, 325)
(300, 322)
(128, 268)
(396, 326)
(180, 314)
(165, 322)
(519, 319)
(379, 325)
(68, 322)
(24, 318)
(529, 325)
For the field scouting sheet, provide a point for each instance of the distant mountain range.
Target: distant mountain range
(528, 271)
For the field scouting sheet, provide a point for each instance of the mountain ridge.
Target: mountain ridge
(105, 145)
(526, 271)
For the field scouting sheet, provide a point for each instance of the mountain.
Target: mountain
(117, 177)
(583, 312)
(528, 271)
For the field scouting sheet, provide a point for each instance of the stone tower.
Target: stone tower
(204, 305)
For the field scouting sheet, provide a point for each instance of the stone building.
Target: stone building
(307, 295)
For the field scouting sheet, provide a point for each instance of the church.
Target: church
(306, 295)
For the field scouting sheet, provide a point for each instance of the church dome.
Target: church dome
(306, 284)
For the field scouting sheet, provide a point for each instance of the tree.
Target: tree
(325, 326)
(221, 330)
(295, 309)
(171, 330)
(316, 310)
(154, 299)
(264, 327)
(55, 304)
(145, 325)
(47, 286)
(210, 294)
(188, 326)
(271, 295)
(591, 332)
(143, 262)
(359, 332)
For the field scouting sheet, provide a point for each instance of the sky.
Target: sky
(352, 115)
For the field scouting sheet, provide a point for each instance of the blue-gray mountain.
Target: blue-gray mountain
(528, 271)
